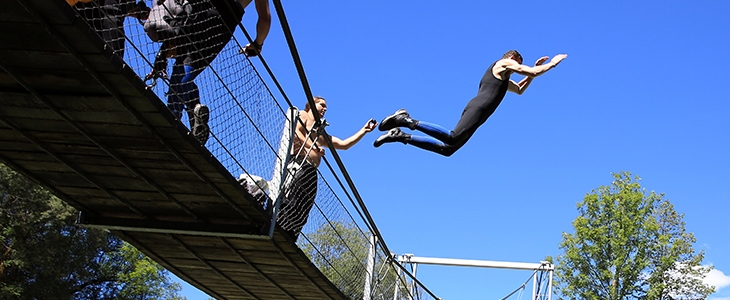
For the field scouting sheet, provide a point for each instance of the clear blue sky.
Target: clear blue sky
(643, 90)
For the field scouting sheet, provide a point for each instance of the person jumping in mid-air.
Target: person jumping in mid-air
(494, 85)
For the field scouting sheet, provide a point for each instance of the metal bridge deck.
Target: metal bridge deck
(75, 119)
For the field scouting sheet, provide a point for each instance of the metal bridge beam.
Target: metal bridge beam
(170, 227)
(407, 258)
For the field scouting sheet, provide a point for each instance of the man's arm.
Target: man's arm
(535, 71)
(264, 21)
(263, 25)
(352, 140)
(520, 87)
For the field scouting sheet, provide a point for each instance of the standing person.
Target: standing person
(306, 152)
(209, 29)
(494, 85)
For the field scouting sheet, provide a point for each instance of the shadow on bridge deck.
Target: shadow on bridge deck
(76, 119)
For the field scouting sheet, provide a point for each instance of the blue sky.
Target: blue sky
(642, 90)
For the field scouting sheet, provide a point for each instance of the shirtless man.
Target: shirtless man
(494, 85)
(308, 148)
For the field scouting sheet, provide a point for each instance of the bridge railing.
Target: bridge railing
(246, 126)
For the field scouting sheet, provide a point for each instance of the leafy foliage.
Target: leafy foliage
(675, 268)
(45, 256)
(629, 244)
(340, 251)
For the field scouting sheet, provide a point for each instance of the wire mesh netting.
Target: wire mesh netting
(194, 66)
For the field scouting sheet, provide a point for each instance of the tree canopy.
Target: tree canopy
(45, 256)
(340, 252)
(629, 244)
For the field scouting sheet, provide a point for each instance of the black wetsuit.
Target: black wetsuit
(477, 111)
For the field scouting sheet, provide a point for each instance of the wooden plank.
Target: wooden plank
(20, 99)
(92, 117)
(42, 60)
(28, 36)
(12, 11)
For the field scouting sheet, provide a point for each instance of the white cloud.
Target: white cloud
(719, 280)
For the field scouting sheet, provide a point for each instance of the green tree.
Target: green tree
(142, 278)
(340, 251)
(45, 256)
(629, 244)
(675, 268)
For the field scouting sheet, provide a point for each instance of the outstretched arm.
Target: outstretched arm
(533, 71)
(352, 140)
(520, 87)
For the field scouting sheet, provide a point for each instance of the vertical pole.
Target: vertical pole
(397, 283)
(369, 270)
(414, 287)
(279, 178)
(534, 286)
(550, 286)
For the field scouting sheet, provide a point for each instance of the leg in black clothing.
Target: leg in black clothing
(447, 142)
(298, 201)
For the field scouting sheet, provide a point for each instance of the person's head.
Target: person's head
(320, 103)
(513, 54)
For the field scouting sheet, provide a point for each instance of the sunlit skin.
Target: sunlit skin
(263, 24)
(507, 66)
(308, 122)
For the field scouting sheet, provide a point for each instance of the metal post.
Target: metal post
(279, 178)
(414, 289)
(534, 286)
(367, 291)
(550, 285)
(397, 283)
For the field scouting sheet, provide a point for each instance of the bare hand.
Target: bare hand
(558, 58)
(541, 60)
(370, 125)
(250, 50)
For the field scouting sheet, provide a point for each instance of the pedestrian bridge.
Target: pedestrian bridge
(78, 119)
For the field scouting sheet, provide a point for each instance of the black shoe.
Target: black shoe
(200, 129)
(394, 135)
(399, 119)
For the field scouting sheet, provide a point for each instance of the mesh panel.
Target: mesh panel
(245, 123)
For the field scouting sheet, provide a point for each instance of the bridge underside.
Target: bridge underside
(76, 119)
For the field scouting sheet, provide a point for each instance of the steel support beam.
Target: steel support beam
(170, 227)
(407, 258)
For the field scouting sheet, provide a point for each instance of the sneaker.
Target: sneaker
(394, 135)
(399, 119)
(200, 129)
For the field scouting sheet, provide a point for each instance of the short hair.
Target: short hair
(511, 53)
(306, 105)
